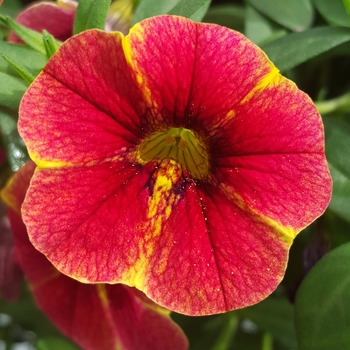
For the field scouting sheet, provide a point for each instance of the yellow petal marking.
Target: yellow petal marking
(287, 232)
(135, 35)
(102, 294)
(273, 77)
(160, 205)
(6, 194)
(47, 164)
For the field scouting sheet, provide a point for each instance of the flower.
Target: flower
(176, 160)
(58, 18)
(98, 316)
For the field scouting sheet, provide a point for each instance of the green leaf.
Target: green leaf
(55, 343)
(150, 8)
(338, 228)
(50, 43)
(11, 90)
(296, 15)
(231, 16)
(193, 9)
(25, 313)
(207, 332)
(32, 60)
(337, 152)
(340, 103)
(22, 71)
(91, 14)
(346, 3)
(16, 151)
(333, 12)
(30, 37)
(291, 50)
(11, 7)
(260, 29)
(201, 12)
(257, 28)
(275, 316)
(322, 308)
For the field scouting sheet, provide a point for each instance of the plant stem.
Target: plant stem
(267, 342)
(338, 103)
(230, 328)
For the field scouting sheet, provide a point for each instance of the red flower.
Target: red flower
(97, 317)
(58, 18)
(176, 159)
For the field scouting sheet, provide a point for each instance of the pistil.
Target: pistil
(179, 144)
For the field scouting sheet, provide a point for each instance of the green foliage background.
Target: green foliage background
(309, 41)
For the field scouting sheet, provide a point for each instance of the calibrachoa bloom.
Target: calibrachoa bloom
(58, 18)
(97, 317)
(176, 159)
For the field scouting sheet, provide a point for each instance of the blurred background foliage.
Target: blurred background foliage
(309, 41)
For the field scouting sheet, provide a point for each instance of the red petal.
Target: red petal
(197, 247)
(103, 114)
(275, 160)
(46, 15)
(70, 114)
(95, 316)
(193, 74)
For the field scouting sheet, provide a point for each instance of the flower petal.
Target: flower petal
(46, 15)
(194, 74)
(90, 232)
(104, 111)
(277, 164)
(208, 253)
(158, 231)
(99, 316)
(197, 246)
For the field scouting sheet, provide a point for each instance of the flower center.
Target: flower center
(179, 144)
